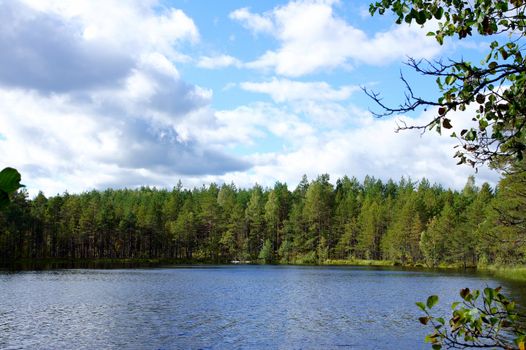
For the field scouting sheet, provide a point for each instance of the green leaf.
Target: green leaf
(10, 180)
(489, 293)
(450, 79)
(439, 12)
(429, 339)
(421, 305)
(432, 301)
(421, 17)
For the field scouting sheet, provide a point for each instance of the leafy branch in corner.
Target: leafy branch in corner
(496, 87)
(487, 320)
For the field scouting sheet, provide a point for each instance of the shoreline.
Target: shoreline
(512, 273)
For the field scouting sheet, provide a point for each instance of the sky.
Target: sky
(98, 94)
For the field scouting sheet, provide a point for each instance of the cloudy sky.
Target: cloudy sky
(97, 94)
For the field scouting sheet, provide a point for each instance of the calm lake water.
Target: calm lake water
(224, 307)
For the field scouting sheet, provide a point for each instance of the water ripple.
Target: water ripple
(242, 307)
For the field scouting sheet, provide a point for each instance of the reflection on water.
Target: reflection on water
(228, 307)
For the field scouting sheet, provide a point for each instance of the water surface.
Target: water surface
(224, 307)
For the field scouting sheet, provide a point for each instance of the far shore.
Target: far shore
(514, 273)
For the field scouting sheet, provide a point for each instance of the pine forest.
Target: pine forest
(406, 222)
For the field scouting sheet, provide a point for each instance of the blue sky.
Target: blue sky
(97, 94)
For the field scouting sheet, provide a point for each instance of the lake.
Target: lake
(225, 307)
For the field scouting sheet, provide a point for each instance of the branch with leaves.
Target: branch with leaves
(487, 320)
(496, 86)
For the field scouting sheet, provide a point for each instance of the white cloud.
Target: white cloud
(134, 25)
(61, 143)
(318, 101)
(221, 61)
(283, 90)
(312, 37)
(90, 100)
(245, 125)
(254, 22)
(370, 147)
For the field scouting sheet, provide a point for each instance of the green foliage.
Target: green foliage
(9, 182)
(322, 251)
(398, 222)
(401, 241)
(496, 86)
(266, 252)
(479, 320)
(508, 216)
(285, 252)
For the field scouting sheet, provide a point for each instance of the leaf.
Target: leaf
(442, 111)
(423, 320)
(446, 123)
(429, 339)
(432, 301)
(464, 293)
(421, 17)
(421, 305)
(489, 293)
(450, 79)
(10, 180)
(439, 12)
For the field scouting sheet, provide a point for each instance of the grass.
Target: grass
(513, 273)
(359, 262)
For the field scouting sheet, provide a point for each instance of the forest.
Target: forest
(406, 222)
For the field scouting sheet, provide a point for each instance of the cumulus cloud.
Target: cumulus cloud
(319, 102)
(132, 156)
(369, 147)
(76, 144)
(133, 26)
(89, 100)
(282, 90)
(220, 61)
(43, 52)
(246, 125)
(254, 22)
(312, 37)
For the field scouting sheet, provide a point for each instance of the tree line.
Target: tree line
(410, 222)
